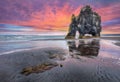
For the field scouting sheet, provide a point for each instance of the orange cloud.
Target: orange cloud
(51, 17)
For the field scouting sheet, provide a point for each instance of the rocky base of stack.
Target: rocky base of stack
(70, 37)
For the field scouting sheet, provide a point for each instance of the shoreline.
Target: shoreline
(117, 38)
(116, 41)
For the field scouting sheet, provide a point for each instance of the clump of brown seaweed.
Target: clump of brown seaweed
(38, 69)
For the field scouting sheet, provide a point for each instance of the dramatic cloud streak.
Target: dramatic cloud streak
(55, 15)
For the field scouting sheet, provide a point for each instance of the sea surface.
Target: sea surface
(11, 43)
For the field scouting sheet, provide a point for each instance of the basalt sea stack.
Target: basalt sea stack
(87, 22)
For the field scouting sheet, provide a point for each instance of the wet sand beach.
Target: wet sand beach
(87, 60)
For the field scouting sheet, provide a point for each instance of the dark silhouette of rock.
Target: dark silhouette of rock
(87, 22)
(72, 28)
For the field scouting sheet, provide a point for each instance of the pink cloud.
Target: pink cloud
(50, 17)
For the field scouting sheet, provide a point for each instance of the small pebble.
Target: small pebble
(61, 65)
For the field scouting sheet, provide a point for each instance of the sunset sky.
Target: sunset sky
(54, 15)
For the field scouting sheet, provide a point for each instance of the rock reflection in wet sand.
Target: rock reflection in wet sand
(84, 47)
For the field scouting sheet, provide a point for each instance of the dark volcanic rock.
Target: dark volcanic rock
(87, 22)
(72, 28)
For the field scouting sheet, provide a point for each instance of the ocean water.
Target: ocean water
(11, 43)
(13, 38)
(27, 37)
